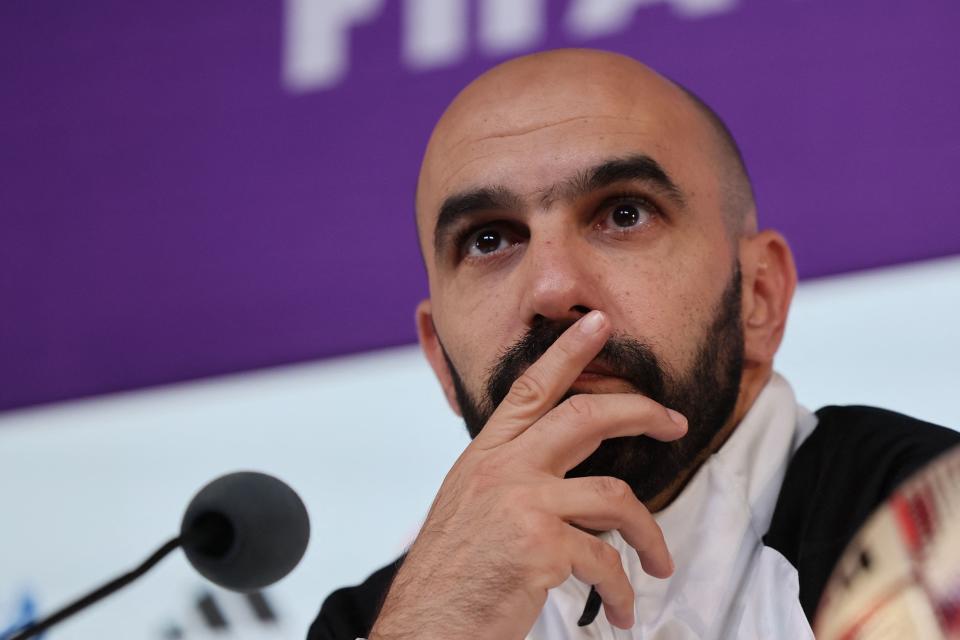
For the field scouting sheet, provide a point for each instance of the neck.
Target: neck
(754, 379)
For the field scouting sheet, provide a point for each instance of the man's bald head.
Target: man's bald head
(553, 87)
(741, 208)
(573, 180)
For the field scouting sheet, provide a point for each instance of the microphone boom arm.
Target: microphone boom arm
(117, 583)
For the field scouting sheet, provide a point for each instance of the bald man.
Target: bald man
(604, 315)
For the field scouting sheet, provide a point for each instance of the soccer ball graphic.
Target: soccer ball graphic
(900, 576)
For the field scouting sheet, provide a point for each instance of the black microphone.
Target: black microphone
(243, 531)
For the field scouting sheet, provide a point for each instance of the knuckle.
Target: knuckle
(534, 534)
(644, 411)
(556, 574)
(611, 488)
(520, 497)
(532, 528)
(553, 570)
(645, 404)
(525, 390)
(605, 555)
(610, 557)
(580, 406)
(644, 407)
(483, 477)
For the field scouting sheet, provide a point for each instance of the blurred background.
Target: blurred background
(208, 260)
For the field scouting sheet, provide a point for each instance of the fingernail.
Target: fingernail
(591, 322)
(677, 418)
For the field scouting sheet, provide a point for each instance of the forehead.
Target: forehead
(530, 138)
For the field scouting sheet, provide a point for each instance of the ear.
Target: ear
(430, 344)
(769, 280)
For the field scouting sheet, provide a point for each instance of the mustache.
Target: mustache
(626, 357)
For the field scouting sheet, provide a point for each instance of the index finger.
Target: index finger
(544, 382)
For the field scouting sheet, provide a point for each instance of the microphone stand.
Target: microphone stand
(34, 628)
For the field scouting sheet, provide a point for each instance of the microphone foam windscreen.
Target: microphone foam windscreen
(245, 530)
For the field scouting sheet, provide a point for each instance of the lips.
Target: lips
(597, 377)
(599, 369)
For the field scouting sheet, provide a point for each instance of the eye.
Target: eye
(625, 214)
(628, 215)
(487, 241)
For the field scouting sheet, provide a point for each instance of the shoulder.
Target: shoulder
(870, 432)
(349, 613)
(851, 462)
(863, 454)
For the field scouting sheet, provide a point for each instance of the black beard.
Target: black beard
(706, 395)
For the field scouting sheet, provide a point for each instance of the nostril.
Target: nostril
(582, 310)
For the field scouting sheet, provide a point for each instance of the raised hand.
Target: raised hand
(506, 526)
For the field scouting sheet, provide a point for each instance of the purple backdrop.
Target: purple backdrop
(170, 210)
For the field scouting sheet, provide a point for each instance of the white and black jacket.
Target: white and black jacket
(844, 464)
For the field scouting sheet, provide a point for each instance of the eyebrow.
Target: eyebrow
(469, 203)
(632, 168)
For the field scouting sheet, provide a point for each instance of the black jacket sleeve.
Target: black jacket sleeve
(349, 613)
(846, 468)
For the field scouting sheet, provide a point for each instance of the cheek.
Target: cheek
(672, 325)
(669, 305)
(475, 336)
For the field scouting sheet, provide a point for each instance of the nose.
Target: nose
(558, 286)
